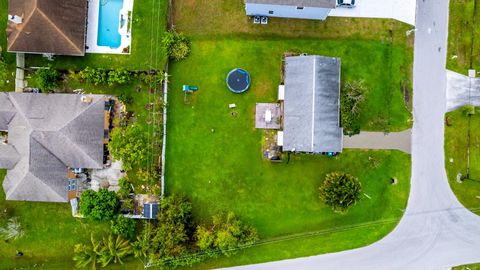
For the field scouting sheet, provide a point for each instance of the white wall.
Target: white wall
(286, 11)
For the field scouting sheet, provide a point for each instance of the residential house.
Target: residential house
(49, 136)
(311, 113)
(302, 9)
(47, 26)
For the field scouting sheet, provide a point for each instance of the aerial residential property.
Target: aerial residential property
(243, 134)
(49, 137)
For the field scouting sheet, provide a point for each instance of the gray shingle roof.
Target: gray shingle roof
(311, 106)
(8, 156)
(7, 111)
(298, 3)
(51, 133)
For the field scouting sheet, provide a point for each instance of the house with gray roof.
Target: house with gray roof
(48, 135)
(301, 9)
(311, 117)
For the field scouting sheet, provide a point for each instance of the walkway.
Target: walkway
(379, 140)
(462, 90)
(435, 231)
(402, 10)
(20, 82)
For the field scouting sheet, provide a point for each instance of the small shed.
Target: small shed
(150, 210)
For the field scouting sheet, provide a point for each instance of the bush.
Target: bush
(130, 145)
(95, 76)
(468, 110)
(176, 45)
(118, 76)
(125, 187)
(340, 191)
(226, 234)
(352, 97)
(126, 98)
(47, 78)
(3, 73)
(13, 230)
(101, 205)
(123, 226)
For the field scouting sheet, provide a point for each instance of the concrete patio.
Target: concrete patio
(268, 115)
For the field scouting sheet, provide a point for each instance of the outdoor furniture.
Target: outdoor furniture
(232, 105)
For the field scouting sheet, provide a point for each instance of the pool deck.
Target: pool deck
(92, 29)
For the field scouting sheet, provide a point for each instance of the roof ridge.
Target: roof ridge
(80, 113)
(47, 186)
(23, 25)
(59, 30)
(77, 148)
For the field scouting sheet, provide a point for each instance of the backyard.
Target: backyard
(278, 199)
(456, 145)
(464, 36)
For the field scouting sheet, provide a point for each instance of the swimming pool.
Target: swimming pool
(108, 23)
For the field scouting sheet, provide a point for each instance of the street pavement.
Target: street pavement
(436, 231)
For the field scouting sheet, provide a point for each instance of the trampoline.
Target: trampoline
(238, 80)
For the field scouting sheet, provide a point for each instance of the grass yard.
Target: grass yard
(214, 158)
(464, 36)
(467, 267)
(149, 24)
(456, 142)
(9, 58)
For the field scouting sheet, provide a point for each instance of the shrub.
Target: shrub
(103, 252)
(95, 76)
(13, 230)
(352, 97)
(125, 187)
(126, 98)
(118, 76)
(130, 145)
(3, 73)
(176, 45)
(468, 110)
(225, 234)
(101, 205)
(340, 191)
(123, 226)
(47, 78)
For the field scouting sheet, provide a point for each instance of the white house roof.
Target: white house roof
(312, 103)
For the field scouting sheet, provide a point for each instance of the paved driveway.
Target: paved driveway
(402, 10)
(380, 140)
(462, 90)
(436, 231)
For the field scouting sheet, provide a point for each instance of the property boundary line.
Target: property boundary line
(164, 139)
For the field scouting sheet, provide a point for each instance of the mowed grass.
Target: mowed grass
(464, 36)
(149, 26)
(456, 144)
(214, 157)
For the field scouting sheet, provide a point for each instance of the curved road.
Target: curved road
(436, 231)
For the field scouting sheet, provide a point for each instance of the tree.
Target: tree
(340, 191)
(47, 77)
(123, 226)
(101, 205)
(114, 249)
(176, 45)
(13, 230)
(352, 97)
(226, 234)
(87, 255)
(130, 145)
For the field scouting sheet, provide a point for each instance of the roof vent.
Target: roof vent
(15, 19)
(86, 99)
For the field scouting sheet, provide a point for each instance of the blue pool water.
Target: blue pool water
(108, 22)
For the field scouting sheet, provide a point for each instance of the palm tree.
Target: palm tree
(87, 255)
(13, 230)
(114, 249)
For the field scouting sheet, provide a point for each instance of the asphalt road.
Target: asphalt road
(436, 231)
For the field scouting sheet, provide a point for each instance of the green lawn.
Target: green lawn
(9, 58)
(149, 24)
(223, 170)
(464, 36)
(456, 142)
(468, 267)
